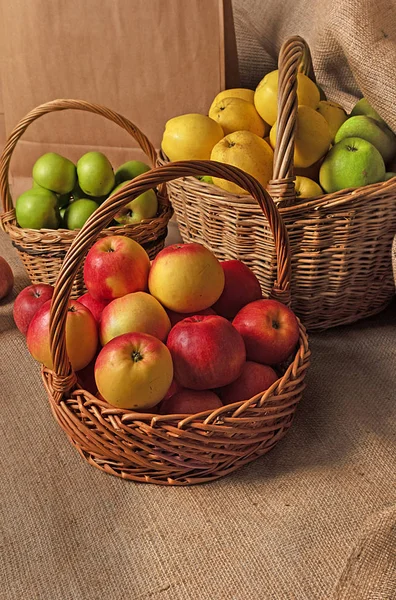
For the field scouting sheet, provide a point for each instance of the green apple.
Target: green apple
(37, 209)
(362, 107)
(78, 194)
(78, 212)
(55, 172)
(144, 206)
(62, 216)
(371, 130)
(95, 174)
(206, 179)
(351, 163)
(389, 175)
(129, 170)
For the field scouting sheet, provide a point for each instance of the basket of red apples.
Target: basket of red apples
(175, 371)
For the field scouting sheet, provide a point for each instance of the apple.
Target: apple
(177, 317)
(186, 278)
(207, 352)
(86, 377)
(174, 388)
(143, 207)
(55, 172)
(254, 379)
(131, 313)
(241, 287)
(81, 335)
(27, 303)
(134, 371)
(78, 212)
(95, 174)
(6, 278)
(190, 402)
(116, 266)
(95, 306)
(269, 329)
(130, 170)
(37, 209)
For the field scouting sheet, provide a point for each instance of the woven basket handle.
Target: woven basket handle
(294, 58)
(54, 106)
(64, 378)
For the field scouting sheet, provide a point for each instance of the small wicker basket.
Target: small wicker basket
(42, 251)
(340, 242)
(171, 450)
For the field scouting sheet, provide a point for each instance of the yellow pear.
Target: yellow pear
(266, 95)
(190, 137)
(235, 114)
(243, 93)
(306, 188)
(312, 139)
(247, 151)
(334, 114)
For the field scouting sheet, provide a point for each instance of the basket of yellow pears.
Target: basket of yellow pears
(46, 218)
(330, 174)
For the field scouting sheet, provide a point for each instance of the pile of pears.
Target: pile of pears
(65, 195)
(332, 151)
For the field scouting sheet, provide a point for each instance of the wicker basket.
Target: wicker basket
(42, 251)
(167, 449)
(340, 243)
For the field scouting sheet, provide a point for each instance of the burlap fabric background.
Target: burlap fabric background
(283, 528)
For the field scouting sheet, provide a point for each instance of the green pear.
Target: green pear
(54, 172)
(79, 212)
(371, 130)
(362, 107)
(95, 174)
(129, 170)
(143, 207)
(389, 175)
(37, 209)
(351, 163)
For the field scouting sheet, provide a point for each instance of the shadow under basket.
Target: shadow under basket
(43, 251)
(340, 242)
(172, 449)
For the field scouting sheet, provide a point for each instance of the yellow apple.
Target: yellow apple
(247, 151)
(243, 93)
(306, 188)
(334, 114)
(312, 139)
(235, 114)
(190, 137)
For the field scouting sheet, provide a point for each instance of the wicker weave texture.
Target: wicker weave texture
(340, 243)
(42, 251)
(169, 449)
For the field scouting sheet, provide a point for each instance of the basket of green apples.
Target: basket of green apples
(45, 219)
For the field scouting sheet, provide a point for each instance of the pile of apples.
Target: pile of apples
(64, 195)
(333, 151)
(181, 335)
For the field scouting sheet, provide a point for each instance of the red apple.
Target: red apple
(86, 377)
(6, 278)
(190, 402)
(134, 370)
(27, 303)
(131, 313)
(81, 335)
(207, 352)
(174, 388)
(95, 306)
(186, 278)
(254, 379)
(241, 287)
(115, 266)
(177, 317)
(269, 329)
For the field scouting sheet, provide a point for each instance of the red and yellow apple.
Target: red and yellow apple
(207, 352)
(176, 317)
(241, 287)
(115, 266)
(186, 278)
(190, 402)
(81, 335)
(134, 371)
(269, 329)
(174, 388)
(137, 312)
(254, 379)
(95, 306)
(6, 278)
(27, 303)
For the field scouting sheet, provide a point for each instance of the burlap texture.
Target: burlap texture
(353, 45)
(282, 528)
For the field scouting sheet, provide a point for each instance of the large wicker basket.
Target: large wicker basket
(340, 243)
(42, 251)
(171, 449)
